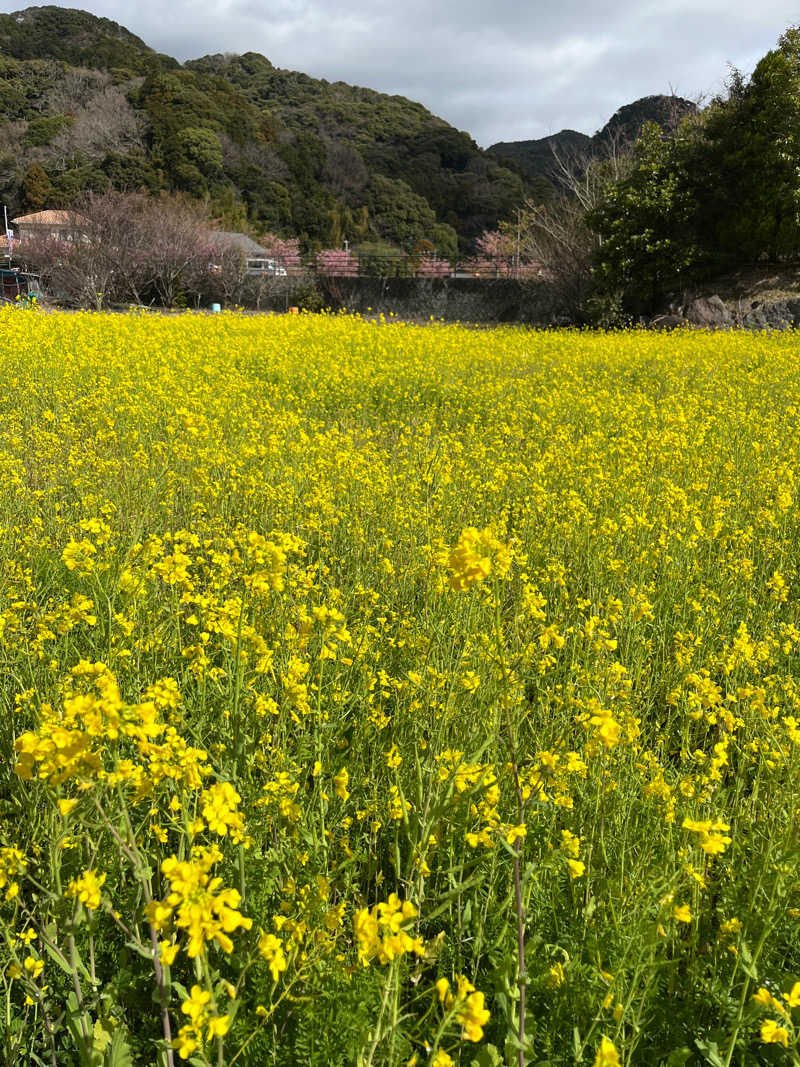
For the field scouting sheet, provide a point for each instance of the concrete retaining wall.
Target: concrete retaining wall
(452, 299)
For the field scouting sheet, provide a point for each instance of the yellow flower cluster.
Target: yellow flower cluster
(475, 555)
(219, 805)
(467, 1004)
(203, 1025)
(778, 1032)
(12, 865)
(271, 949)
(570, 846)
(607, 1055)
(87, 889)
(711, 834)
(72, 742)
(381, 931)
(196, 904)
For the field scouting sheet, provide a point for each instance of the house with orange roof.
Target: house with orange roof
(58, 225)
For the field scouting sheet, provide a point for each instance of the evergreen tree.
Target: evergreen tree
(749, 178)
(646, 224)
(37, 188)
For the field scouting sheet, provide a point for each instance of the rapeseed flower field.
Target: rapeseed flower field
(381, 694)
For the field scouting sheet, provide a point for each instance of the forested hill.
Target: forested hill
(85, 104)
(75, 37)
(538, 158)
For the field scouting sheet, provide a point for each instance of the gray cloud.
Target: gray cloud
(502, 69)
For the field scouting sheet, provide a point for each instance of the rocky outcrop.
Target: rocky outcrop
(669, 321)
(779, 315)
(712, 313)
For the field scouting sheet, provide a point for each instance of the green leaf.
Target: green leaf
(101, 1038)
(140, 950)
(510, 849)
(746, 959)
(710, 1051)
(181, 990)
(119, 1055)
(58, 959)
(79, 1024)
(233, 1007)
(678, 1057)
(488, 1056)
(447, 898)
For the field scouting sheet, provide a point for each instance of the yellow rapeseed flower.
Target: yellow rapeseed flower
(773, 1033)
(607, 1055)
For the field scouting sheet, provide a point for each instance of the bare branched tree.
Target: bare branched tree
(74, 269)
(555, 233)
(74, 84)
(261, 157)
(219, 275)
(346, 171)
(177, 236)
(585, 174)
(105, 123)
(122, 248)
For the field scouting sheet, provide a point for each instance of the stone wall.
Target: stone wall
(479, 300)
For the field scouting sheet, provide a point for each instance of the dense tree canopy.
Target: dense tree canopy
(645, 221)
(723, 191)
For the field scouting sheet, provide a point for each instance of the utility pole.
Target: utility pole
(516, 255)
(9, 237)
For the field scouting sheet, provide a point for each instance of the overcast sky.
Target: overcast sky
(504, 70)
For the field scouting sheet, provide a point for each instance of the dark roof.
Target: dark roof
(226, 238)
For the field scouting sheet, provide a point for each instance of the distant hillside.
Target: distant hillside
(536, 158)
(75, 37)
(84, 103)
(626, 123)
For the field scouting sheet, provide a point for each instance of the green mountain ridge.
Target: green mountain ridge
(75, 37)
(85, 104)
(538, 158)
